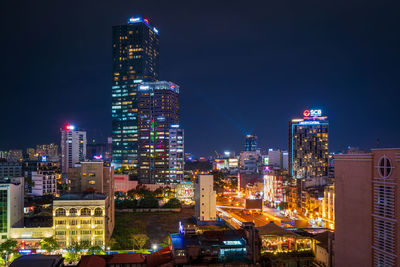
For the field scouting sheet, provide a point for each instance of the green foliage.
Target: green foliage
(139, 240)
(165, 242)
(148, 202)
(72, 257)
(126, 203)
(173, 203)
(7, 247)
(96, 250)
(13, 257)
(74, 251)
(50, 244)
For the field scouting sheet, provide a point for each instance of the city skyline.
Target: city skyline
(341, 62)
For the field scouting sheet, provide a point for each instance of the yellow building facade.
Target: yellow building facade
(82, 218)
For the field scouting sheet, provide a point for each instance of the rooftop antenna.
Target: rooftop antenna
(378, 143)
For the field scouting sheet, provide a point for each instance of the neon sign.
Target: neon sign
(309, 122)
(135, 19)
(312, 113)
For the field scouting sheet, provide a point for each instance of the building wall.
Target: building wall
(353, 233)
(11, 207)
(96, 226)
(176, 154)
(205, 197)
(44, 183)
(123, 184)
(73, 148)
(10, 169)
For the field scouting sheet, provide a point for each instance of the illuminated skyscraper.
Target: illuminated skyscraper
(73, 147)
(158, 106)
(308, 145)
(135, 60)
(251, 143)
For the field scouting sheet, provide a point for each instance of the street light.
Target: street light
(154, 246)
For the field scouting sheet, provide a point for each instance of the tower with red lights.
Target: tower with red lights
(73, 147)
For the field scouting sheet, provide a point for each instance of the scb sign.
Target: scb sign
(312, 113)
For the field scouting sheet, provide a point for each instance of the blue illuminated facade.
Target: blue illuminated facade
(308, 145)
(135, 47)
(251, 143)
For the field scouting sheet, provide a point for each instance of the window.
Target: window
(73, 212)
(60, 212)
(73, 222)
(85, 212)
(385, 167)
(85, 221)
(98, 212)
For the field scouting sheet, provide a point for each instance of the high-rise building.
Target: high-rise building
(135, 60)
(251, 143)
(308, 145)
(367, 227)
(176, 154)
(158, 106)
(205, 197)
(73, 147)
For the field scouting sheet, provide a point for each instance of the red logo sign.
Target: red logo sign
(306, 113)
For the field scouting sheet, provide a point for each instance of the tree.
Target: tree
(50, 244)
(74, 251)
(139, 240)
(6, 248)
(173, 203)
(149, 202)
(96, 250)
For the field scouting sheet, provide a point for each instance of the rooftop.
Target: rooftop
(82, 196)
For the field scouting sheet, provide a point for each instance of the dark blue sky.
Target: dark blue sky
(243, 66)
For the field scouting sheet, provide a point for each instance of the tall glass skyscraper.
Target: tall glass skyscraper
(308, 145)
(158, 104)
(135, 60)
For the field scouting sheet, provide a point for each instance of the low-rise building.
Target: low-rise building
(10, 169)
(83, 218)
(11, 206)
(45, 183)
(212, 247)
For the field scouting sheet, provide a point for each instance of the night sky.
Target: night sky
(243, 67)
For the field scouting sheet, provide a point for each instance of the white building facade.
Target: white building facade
(205, 197)
(11, 206)
(45, 183)
(176, 154)
(73, 147)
